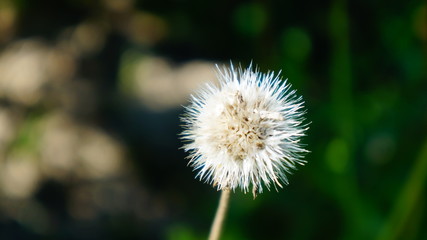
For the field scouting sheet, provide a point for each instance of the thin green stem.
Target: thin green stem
(407, 200)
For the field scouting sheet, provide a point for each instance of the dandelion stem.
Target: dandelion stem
(220, 215)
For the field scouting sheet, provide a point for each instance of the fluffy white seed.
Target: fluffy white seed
(245, 132)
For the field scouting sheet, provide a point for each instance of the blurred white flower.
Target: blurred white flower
(246, 132)
(23, 71)
(19, 175)
(159, 85)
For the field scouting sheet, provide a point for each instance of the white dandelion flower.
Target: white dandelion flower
(246, 132)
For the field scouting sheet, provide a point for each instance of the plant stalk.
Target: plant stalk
(221, 212)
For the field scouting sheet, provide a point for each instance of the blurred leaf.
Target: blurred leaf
(28, 135)
(182, 232)
(250, 19)
(407, 200)
(337, 156)
(296, 44)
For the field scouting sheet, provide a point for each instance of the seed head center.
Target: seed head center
(244, 131)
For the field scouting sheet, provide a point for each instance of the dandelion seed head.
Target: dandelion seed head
(246, 131)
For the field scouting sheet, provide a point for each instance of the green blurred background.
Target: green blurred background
(91, 93)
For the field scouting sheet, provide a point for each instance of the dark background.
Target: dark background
(91, 93)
